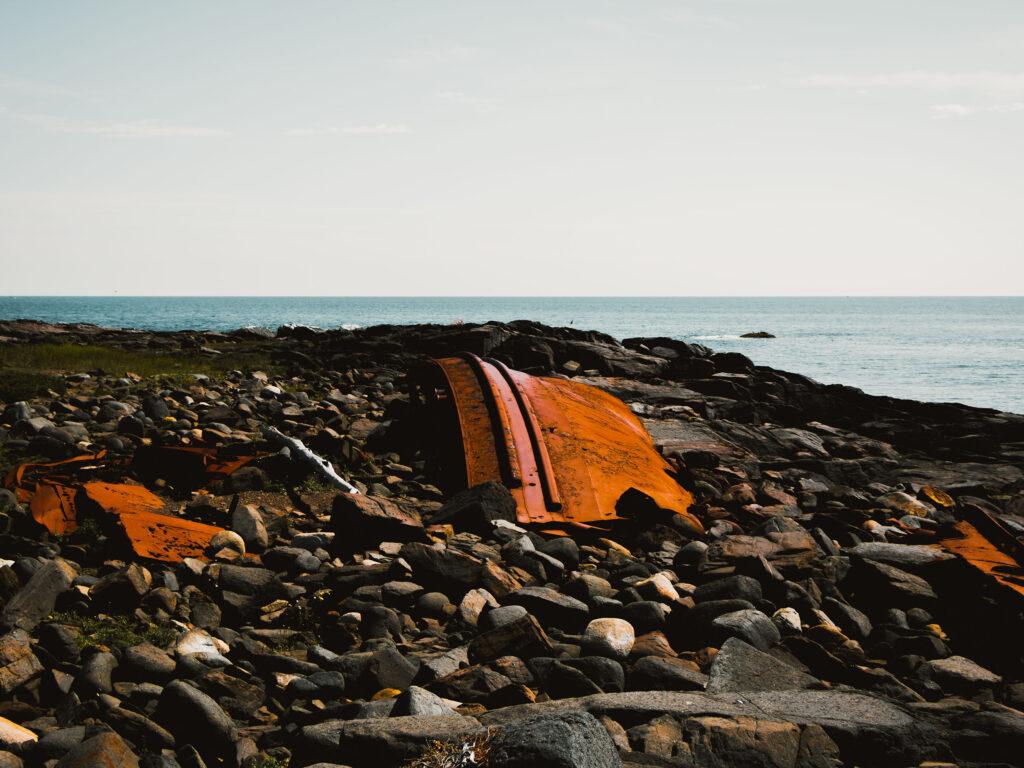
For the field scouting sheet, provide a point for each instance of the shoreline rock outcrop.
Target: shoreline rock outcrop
(818, 621)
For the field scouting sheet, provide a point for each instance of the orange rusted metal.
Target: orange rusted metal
(567, 451)
(162, 537)
(185, 467)
(58, 492)
(989, 546)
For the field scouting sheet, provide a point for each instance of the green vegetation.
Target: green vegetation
(19, 384)
(114, 631)
(25, 369)
(266, 761)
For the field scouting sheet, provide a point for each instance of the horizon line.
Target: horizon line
(511, 296)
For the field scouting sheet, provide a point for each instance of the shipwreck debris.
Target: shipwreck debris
(58, 493)
(989, 546)
(567, 451)
(321, 466)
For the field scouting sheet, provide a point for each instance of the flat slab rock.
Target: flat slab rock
(865, 727)
(379, 741)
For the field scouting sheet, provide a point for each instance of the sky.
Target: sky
(530, 147)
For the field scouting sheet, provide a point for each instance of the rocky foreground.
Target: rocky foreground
(817, 623)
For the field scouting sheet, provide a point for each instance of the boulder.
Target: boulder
(608, 637)
(195, 718)
(369, 520)
(377, 742)
(738, 666)
(659, 673)
(521, 637)
(105, 750)
(550, 607)
(477, 508)
(750, 625)
(18, 664)
(444, 569)
(959, 675)
(248, 523)
(571, 740)
(35, 601)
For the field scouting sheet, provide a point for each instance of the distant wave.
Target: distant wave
(350, 326)
(718, 337)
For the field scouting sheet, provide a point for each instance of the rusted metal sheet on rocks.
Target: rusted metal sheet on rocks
(990, 546)
(162, 537)
(185, 467)
(567, 451)
(58, 492)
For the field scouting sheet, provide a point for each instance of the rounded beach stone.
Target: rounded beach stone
(613, 638)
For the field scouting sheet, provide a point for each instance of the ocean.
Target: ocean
(943, 349)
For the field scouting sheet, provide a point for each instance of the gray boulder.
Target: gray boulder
(35, 601)
(570, 740)
(738, 666)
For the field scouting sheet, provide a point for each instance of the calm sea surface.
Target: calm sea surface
(968, 350)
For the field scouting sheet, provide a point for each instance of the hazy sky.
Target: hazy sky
(668, 147)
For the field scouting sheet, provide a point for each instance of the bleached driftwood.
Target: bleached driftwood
(320, 465)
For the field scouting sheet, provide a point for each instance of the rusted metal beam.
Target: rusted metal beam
(566, 451)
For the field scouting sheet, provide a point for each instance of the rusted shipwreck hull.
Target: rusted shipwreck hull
(567, 451)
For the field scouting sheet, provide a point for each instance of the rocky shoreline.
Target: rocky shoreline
(819, 621)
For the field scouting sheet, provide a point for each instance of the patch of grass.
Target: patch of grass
(12, 457)
(460, 753)
(114, 631)
(26, 368)
(19, 384)
(266, 761)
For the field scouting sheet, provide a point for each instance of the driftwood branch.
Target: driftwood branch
(320, 465)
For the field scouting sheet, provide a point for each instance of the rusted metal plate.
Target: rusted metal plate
(988, 545)
(166, 538)
(121, 498)
(58, 492)
(566, 451)
(185, 467)
(53, 505)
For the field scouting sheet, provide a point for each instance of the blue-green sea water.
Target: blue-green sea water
(968, 350)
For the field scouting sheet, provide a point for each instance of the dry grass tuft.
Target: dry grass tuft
(463, 753)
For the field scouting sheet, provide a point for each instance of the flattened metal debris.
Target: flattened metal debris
(989, 546)
(567, 451)
(57, 493)
(162, 537)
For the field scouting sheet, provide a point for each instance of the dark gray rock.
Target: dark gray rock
(369, 743)
(550, 607)
(478, 507)
(147, 663)
(738, 666)
(36, 600)
(571, 740)
(749, 625)
(97, 673)
(195, 718)
(729, 588)
(446, 570)
(418, 702)
(854, 623)
(659, 673)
